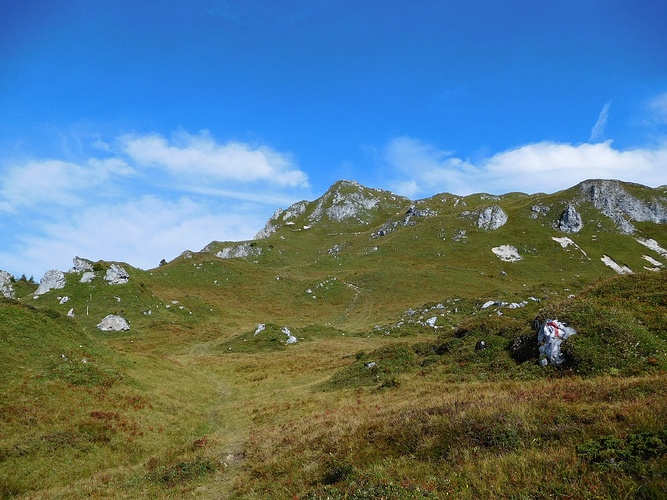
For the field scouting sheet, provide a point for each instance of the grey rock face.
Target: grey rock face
(113, 323)
(52, 279)
(81, 265)
(491, 218)
(239, 251)
(6, 288)
(116, 275)
(613, 201)
(570, 220)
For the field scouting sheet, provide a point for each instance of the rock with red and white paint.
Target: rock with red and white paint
(551, 335)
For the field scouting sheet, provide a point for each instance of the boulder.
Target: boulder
(113, 323)
(116, 275)
(87, 277)
(570, 220)
(491, 218)
(6, 288)
(550, 336)
(52, 279)
(81, 265)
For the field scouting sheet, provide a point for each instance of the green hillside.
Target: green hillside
(362, 346)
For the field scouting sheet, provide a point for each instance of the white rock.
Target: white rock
(260, 328)
(551, 335)
(491, 218)
(488, 303)
(52, 279)
(431, 321)
(87, 277)
(6, 288)
(81, 265)
(239, 251)
(616, 267)
(113, 323)
(70, 313)
(507, 253)
(63, 300)
(570, 220)
(116, 275)
(291, 339)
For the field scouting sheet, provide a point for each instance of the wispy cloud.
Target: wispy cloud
(42, 184)
(658, 108)
(421, 169)
(597, 132)
(139, 199)
(200, 157)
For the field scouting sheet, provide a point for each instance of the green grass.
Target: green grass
(371, 402)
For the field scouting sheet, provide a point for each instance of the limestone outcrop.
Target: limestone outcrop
(116, 275)
(570, 220)
(6, 288)
(52, 279)
(609, 197)
(492, 218)
(113, 323)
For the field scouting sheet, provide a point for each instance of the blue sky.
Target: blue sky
(132, 131)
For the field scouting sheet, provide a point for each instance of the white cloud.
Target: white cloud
(45, 183)
(198, 157)
(539, 167)
(151, 199)
(658, 107)
(597, 132)
(139, 232)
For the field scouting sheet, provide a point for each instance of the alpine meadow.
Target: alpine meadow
(363, 345)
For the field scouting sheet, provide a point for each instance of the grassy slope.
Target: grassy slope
(190, 400)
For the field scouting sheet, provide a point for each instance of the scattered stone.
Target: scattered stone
(480, 345)
(291, 339)
(616, 267)
(52, 279)
(653, 245)
(70, 313)
(570, 220)
(113, 323)
(116, 275)
(260, 328)
(537, 210)
(370, 365)
(87, 277)
(488, 303)
(550, 336)
(507, 253)
(460, 235)
(240, 250)
(63, 299)
(6, 288)
(491, 218)
(431, 321)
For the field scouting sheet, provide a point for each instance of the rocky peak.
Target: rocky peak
(610, 198)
